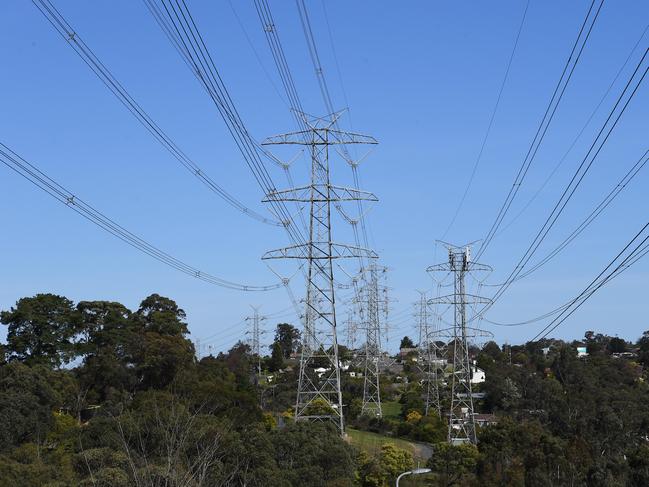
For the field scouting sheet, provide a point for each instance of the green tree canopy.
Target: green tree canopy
(406, 342)
(42, 329)
(288, 338)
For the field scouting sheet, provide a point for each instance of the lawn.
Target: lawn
(371, 443)
(391, 409)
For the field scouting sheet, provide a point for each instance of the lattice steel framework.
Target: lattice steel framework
(374, 305)
(318, 395)
(428, 357)
(350, 327)
(461, 414)
(255, 333)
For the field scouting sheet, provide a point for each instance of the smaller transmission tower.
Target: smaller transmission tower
(428, 357)
(461, 415)
(374, 306)
(350, 327)
(255, 333)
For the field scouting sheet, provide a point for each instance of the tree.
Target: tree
(163, 349)
(313, 455)
(42, 329)
(276, 361)
(161, 358)
(27, 400)
(380, 470)
(411, 400)
(616, 345)
(162, 315)
(110, 344)
(288, 338)
(406, 342)
(454, 464)
(639, 464)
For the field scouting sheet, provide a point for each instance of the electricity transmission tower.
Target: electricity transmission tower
(255, 337)
(428, 357)
(351, 327)
(461, 415)
(318, 395)
(373, 306)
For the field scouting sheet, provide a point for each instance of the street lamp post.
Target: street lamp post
(417, 471)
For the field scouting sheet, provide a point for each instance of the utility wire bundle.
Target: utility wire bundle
(66, 31)
(176, 21)
(616, 112)
(555, 100)
(54, 189)
(631, 253)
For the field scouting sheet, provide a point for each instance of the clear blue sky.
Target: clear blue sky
(422, 77)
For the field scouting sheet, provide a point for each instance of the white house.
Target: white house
(478, 375)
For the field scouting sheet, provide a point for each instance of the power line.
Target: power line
(577, 178)
(179, 26)
(603, 204)
(257, 56)
(491, 121)
(639, 251)
(279, 57)
(577, 137)
(54, 189)
(550, 111)
(326, 96)
(62, 26)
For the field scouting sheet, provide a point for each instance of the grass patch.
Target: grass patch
(391, 409)
(372, 442)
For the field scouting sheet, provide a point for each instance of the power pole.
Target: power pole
(373, 300)
(428, 357)
(255, 337)
(461, 415)
(319, 396)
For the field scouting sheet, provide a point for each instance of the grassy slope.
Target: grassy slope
(371, 442)
(391, 409)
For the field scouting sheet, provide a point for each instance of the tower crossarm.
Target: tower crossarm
(459, 299)
(452, 266)
(319, 136)
(320, 193)
(320, 251)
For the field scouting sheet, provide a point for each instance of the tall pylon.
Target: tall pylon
(255, 333)
(428, 357)
(461, 414)
(319, 396)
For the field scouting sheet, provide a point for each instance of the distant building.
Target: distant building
(478, 376)
(474, 395)
(582, 352)
(626, 355)
(484, 419)
(404, 352)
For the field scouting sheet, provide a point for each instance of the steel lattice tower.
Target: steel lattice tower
(428, 357)
(461, 415)
(319, 396)
(255, 336)
(351, 326)
(376, 306)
